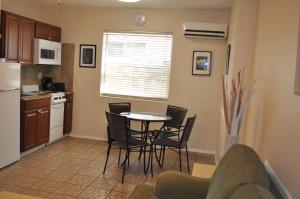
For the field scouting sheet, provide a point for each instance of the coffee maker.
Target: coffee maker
(47, 83)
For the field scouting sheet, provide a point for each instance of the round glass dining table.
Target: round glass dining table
(146, 118)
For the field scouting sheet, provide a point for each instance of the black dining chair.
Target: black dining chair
(117, 108)
(171, 128)
(120, 138)
(175, 144)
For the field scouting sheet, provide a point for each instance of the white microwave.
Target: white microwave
(46, 52)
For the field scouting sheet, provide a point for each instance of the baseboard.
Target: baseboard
(279, 185)
(202, 151)
(105, 139)
(88, 137)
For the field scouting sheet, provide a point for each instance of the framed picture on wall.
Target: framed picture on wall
(87, 57)
(201, 63)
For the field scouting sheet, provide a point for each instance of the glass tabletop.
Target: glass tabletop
(144, 116)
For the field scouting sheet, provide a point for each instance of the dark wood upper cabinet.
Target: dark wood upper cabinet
(26, 40)
(18, 35)
(11, 37)
(47, 31)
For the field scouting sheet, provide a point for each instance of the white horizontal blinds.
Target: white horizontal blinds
(136, 64)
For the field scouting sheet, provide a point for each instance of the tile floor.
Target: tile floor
(72, 168)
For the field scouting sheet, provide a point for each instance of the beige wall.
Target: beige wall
(241, 37)
(201, 95)
(275, 64)
(24, 8)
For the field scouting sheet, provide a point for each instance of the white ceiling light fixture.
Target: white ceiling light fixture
(129, 1)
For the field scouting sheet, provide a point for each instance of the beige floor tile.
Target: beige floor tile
(46, 185)
(70, 189)
(103, 183)
(72, 168)
(87, 171)
(92, 193)
(59, 196)
(37, 173)
(118, 195)
(59, 176)
(81, 180)
(78, 162)
(124, 188)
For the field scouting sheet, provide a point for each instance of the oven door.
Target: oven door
(57, 115)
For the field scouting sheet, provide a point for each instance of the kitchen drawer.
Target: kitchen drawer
(36, 103)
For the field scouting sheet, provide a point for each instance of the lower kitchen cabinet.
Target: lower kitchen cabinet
(68, 113)
(35, 122)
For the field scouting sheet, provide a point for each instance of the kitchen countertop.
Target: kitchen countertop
(40, 95)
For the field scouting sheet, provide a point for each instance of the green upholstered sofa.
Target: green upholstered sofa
(239, 175)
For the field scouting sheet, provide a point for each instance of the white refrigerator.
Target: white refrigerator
(9, 113)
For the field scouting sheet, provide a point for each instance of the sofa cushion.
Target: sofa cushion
(251, 191)
(176, 185)
(239, 166)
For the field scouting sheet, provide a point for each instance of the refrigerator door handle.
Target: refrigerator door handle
(14, 89)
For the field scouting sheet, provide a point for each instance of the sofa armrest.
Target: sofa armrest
(176, 185)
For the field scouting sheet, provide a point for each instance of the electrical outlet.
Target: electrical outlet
(40, 74)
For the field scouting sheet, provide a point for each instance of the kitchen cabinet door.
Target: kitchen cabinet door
(68, 117)
(26, 37)
(43, 121)
(30, 129)
(47, 32)
(11, 38)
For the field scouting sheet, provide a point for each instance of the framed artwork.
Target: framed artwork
(201, 63)
(227, 59)
(87, 57)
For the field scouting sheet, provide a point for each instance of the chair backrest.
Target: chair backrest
(239, 166)
(177, 113)
(188, 129)
(119, 107)
(117, 125)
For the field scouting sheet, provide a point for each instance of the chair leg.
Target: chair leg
(163, 156)
(180, 159)
(187, 157)
(124, 166)
(107, 156)
(128, 157)
(151, 151)
(120, 151)
(141, 151)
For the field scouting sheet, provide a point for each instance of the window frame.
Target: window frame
(120, 96)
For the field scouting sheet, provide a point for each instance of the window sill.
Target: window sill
(134, 98)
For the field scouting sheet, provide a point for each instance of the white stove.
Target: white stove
(58, 98)
(57, 116)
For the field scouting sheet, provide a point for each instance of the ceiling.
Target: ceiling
(148, 4)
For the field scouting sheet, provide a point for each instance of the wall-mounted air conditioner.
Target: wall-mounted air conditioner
(205, 30)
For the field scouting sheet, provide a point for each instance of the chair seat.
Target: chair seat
(166, 142)
(163, 134)
(133, 143)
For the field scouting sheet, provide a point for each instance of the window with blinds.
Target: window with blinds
(136, 65)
